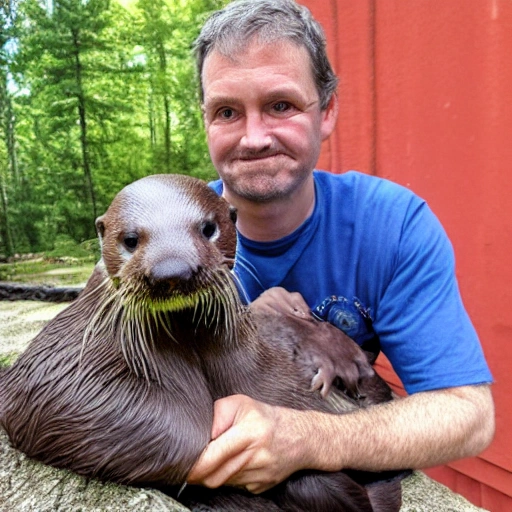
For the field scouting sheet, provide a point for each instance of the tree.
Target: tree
(167, 30)
(8, 158)
(101, 95)
(70, 34)
(72, 69)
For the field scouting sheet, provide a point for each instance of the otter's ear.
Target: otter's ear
(233, 214)
(100, 228)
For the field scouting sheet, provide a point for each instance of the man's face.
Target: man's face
(263, 119)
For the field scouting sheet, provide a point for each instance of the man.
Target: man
(367, 254)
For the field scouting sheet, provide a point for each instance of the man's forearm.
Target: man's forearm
(419, 431)
(256, 445)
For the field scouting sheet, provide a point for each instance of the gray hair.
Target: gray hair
(229, 30)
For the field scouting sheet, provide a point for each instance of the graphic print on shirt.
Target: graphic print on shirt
(353, 318)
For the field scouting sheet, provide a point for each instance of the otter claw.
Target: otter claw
(321, 382)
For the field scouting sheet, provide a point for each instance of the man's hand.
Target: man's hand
(279, 300)
(322, 350)
(250, 447)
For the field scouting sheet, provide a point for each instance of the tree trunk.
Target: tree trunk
(5, 229)
(167, 133)
(83, 124)
(166, 103)
(151, 116)
(7, 122)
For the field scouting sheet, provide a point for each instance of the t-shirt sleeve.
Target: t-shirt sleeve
(421, 321)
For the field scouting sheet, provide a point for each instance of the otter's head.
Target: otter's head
(165, 241)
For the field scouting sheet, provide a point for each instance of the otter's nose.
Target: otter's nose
(172, 269)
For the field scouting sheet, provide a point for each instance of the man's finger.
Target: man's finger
(218, 457)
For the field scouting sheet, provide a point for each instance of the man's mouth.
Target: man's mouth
(258, 158)
(249, 155)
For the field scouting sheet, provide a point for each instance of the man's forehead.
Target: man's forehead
(280, 57)
(238, 44)
(283, 48)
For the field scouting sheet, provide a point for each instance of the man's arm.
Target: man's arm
(256, 445)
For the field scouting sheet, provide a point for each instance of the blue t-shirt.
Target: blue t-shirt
(374, 260)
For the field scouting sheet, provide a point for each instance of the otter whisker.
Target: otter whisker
(103, 319)
(208, 305)
(229, 301)
(152, 343)
(218, 309)
(214, 311)
(131, 349)
(138, 340)
(158, 318)
(124, 345)
(239, 286)
(233, 306)
(143, 348)
(126, 337)
(197, 309)
(214, 304)
(164, 320)
(204, 303)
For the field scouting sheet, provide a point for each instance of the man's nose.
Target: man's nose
(257, 133)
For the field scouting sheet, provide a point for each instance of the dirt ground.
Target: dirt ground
(20, 321)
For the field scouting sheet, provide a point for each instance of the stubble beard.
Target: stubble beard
(263, 186)
(266, 190)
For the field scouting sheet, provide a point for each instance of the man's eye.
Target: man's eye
(226, 113)
(281, 106)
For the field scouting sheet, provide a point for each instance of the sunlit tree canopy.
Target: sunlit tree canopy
(93, 95)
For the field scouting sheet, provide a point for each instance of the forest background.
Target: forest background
(94, 94)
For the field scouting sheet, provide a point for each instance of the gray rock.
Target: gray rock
(28, 486)
(422, 494)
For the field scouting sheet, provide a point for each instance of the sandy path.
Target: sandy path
(20, 321)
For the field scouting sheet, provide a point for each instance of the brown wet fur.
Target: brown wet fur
(120, 385)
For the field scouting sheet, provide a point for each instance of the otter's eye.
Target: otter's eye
(208, 229)
(131, 241)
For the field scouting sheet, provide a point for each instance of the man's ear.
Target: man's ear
(329, 117)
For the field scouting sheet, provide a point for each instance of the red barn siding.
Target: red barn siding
(426, 100)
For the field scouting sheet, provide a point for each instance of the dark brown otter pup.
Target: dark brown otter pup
(121, 384)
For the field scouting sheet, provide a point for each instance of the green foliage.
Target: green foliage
(7, 360)
(52, 271)
(93, 95)
(66, 247)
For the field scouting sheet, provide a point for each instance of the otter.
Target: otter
(120, 385)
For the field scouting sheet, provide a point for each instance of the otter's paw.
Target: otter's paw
(333, 359)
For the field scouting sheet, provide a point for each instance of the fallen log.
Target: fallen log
(17, 291)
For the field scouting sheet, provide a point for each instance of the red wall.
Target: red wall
(426, 101)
